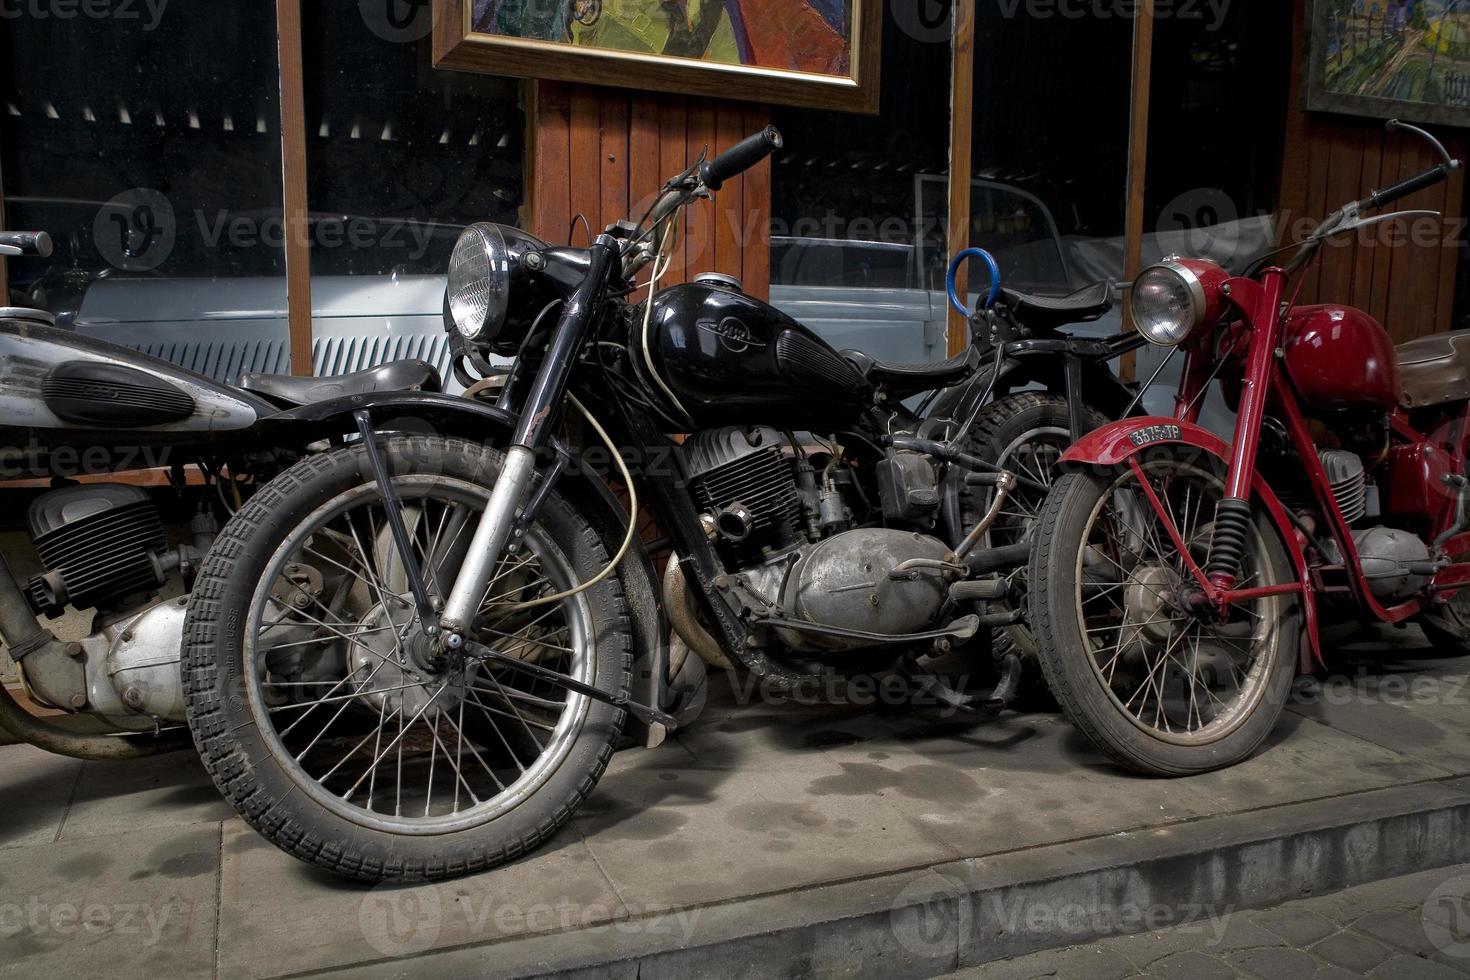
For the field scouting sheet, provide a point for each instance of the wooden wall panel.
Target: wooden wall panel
(1403, 275)
(604, 154)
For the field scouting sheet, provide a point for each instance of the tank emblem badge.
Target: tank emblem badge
(734, 335)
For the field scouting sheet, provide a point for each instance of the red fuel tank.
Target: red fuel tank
(1338, 357)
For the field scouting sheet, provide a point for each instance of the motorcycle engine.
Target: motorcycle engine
(103, 546)
(789, 553)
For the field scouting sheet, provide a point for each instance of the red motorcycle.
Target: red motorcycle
(1174, 576)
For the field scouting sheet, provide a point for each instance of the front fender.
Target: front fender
(1117, 442)
(422, 412)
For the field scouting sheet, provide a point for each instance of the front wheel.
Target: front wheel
(1160, 686)
(348, 737)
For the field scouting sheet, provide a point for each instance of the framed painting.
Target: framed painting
(819, 53)
(1408, 59)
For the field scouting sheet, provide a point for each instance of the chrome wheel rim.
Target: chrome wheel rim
(1179, 677)
(386, 742)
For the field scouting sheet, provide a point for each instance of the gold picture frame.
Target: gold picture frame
(462, 41)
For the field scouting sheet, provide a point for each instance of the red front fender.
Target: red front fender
(1114, 443)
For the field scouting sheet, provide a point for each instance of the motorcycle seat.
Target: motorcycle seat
(1434, 370)
(903, 380)
(1049, 312)
(291, 391)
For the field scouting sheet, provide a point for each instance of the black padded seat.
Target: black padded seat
(904, 380)
(289, 390)
(1050, 312)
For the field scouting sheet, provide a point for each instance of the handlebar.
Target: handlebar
(740, 157)
(1416, 183)
(36, 243)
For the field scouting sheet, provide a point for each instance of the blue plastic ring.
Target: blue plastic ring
(952, 286)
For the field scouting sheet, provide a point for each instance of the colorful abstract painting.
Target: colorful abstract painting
(1408, 58)
(793, 35)
(828, 43)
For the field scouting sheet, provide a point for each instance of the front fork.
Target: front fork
(542, 406)
(1233, 516)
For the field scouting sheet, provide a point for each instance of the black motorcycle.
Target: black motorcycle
(1036, 390)
(411, 655)
(74, 409)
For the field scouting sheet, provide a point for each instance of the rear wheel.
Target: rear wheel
(1027, 434)
(1161, 688)
(339, 730)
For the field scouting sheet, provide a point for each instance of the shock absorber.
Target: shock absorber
(1232, 524)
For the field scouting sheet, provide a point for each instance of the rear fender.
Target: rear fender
(425, 413)
(1117, 442)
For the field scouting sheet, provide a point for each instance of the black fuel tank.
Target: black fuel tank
(734, 360)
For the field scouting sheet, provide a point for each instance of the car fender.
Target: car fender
(421, 412)
(1117, 442)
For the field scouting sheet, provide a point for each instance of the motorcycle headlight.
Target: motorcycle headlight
(479, 282)
(1168, 304)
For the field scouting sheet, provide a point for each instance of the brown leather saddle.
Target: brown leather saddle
(1435, 369)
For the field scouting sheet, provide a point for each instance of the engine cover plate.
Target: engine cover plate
(846, 581)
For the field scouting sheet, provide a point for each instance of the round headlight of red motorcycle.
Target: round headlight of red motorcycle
(479, 282)
(1168, 303)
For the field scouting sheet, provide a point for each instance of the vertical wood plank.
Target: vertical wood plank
(551, 139)
(699, 250)
(961, 149)
(293, 184)
(1143, 65)
(613, 160)
(644, 156)
(1453, 233)
(755, 238)
(674, 159)
(1362, 289)
(728, 211)
(585, 170)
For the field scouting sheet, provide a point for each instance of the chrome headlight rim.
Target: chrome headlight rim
(478, 287)
(1199, 301)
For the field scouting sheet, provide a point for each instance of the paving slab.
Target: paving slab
(36, 788)
(163, 791)
(139, 904)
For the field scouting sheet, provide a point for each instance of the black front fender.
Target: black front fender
(1100, 387)
(422, 412)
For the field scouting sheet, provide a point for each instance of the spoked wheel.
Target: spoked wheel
(1027, 434)
(1158, 683)
(345, 734)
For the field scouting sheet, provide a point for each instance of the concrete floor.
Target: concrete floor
(139, 869)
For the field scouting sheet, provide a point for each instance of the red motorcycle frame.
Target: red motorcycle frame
(1276, 354)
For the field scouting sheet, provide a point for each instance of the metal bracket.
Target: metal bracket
(644, 713)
